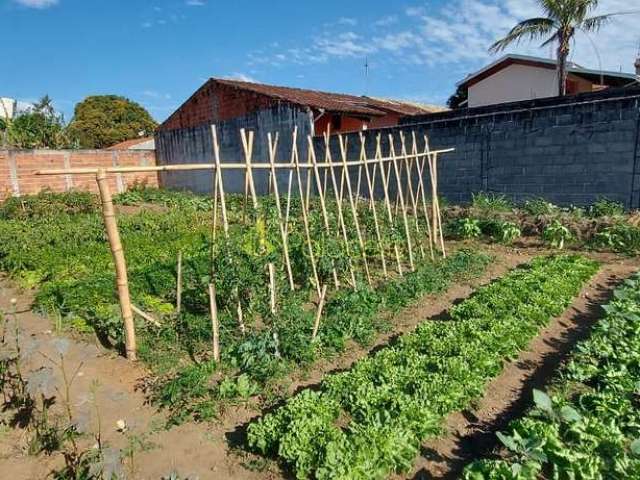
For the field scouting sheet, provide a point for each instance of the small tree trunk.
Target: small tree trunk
(563, 54)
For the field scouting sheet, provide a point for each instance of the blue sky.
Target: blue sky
(158, 52)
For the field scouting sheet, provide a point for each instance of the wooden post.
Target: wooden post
(363, 157)
(146, 316)
(387, 202)
(354, 210)
(179, 285)
(343, 227)
(214, 322)
(400, 197)
(305, 221)
(316, 324)
(122, 282)
(247, 145)
(437, 200)
(323, 206)
(273, 148)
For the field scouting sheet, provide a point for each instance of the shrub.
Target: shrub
(606, 208)
(557, 234)
(491, 202)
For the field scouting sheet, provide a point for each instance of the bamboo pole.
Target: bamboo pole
(294, 156)
(323, 206)
(354, 211)
(272, 294)
(273, 148)
(316, 324)
(374, 212)
(146, 316)
(220, 180)
(387, 203)
(122, 282)
(420, 189)
(179, 285)
(215, 329)
(410, 193)
(400, 198)
(305, 221)
(341, 222)
(247, 145)
(435, 174)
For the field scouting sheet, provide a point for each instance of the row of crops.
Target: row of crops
(588, 426)
(370, 421)
(57, 244)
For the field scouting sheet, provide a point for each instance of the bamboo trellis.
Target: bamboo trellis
(411, 208)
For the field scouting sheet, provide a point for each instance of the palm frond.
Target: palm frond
(553, 38)
(531, 29)
(594, 24)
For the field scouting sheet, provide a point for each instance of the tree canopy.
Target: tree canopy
(39, 127)
(103, 121)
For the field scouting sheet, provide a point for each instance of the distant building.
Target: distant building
(514, 78)
(230, 105)
(11, 108)
(221, 100)
(143, 143)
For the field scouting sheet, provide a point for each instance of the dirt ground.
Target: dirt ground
(204, 451)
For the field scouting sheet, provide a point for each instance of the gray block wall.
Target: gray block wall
(569, 151)
(195, 145)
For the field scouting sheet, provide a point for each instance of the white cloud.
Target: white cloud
(457, 35)
(196, 3)
(37, 3)
(243, 77)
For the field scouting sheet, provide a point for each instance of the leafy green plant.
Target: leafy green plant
(369, 421)
(622, 237)
(606, 208)
(467, 228)
(491, 202)
(557, 235)
(509, 232)
(589, 425)
(539, 206)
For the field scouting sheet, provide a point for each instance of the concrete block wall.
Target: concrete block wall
(18, 167)
(194, 145)
(570, 151)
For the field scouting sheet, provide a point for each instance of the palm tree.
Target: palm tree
(563, 18)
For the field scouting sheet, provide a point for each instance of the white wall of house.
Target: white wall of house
(514, 83)
(7, 107)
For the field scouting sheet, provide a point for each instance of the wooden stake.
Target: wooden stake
(363, 156)
(400, 198)
(247, 145)
(437, 200)
(122, 282)
(146, 316)
(220, 181)
(273, 148)
(214, 322)
(420, 194)
(343, 227)
(316, 324)
(179, 285)
(354, 211)
(410, 194)
(387, 202)
(294, 161)
(305, 221)
(323, 206)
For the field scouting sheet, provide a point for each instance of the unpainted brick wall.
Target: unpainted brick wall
(18, 167)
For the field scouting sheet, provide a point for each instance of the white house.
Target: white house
(520, 77)
(11, 108)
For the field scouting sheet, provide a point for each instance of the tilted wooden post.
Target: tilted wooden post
(122, 282)
(215, 328)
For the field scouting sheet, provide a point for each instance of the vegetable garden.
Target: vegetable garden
(233, 300)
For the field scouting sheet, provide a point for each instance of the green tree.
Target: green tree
(103, 121)
(456, 100)
(563, 18)
(40, 127)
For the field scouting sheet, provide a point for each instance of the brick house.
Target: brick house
(185, 137)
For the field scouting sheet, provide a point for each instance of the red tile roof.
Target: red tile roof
(333, 102)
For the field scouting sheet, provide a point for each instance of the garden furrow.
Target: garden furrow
(370, 421)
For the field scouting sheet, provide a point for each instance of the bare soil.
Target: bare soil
(206, 451)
